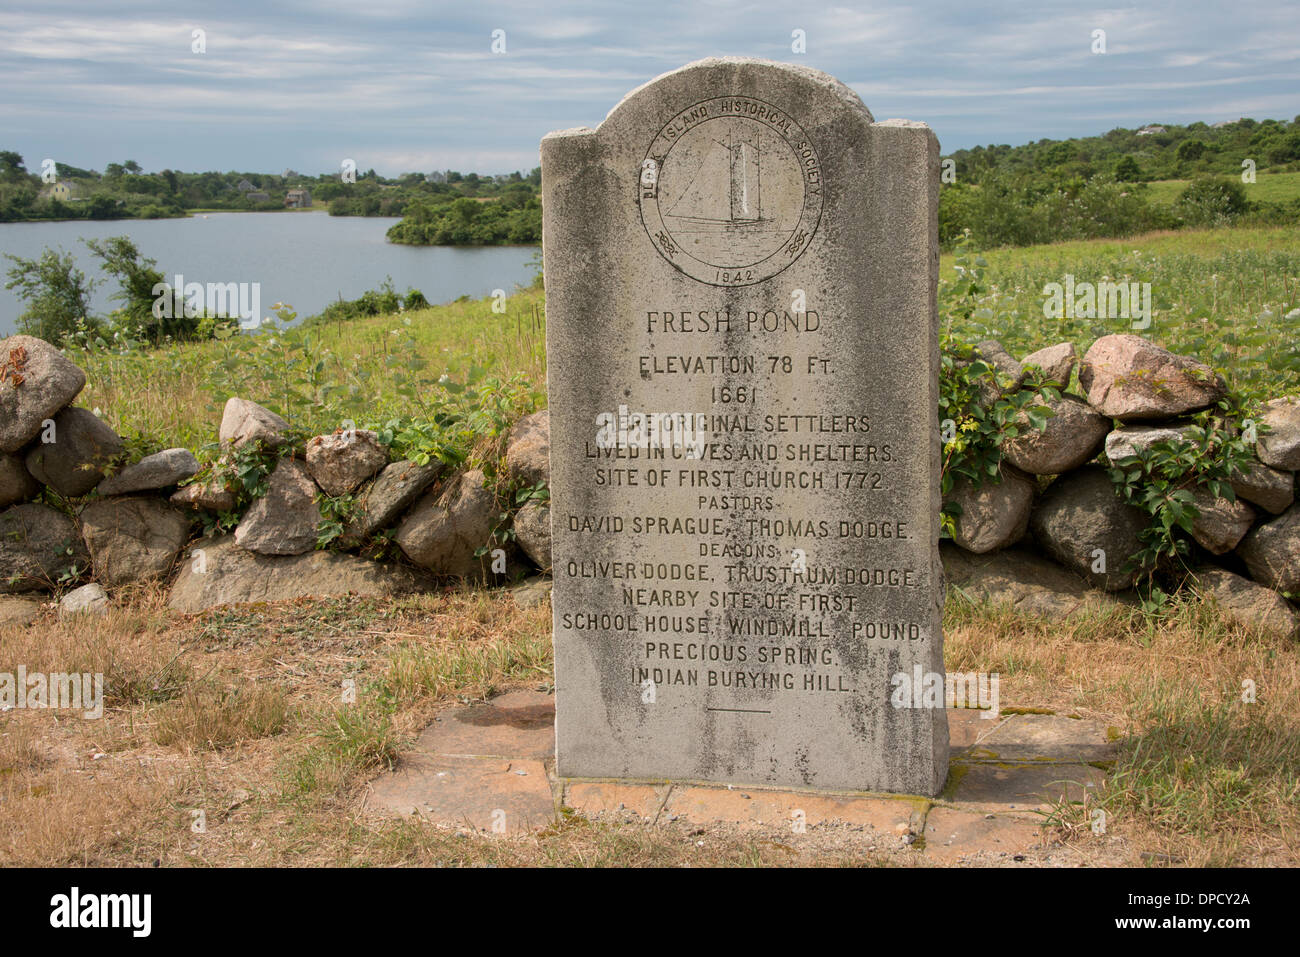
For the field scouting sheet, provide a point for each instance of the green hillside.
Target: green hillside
(1123, 183)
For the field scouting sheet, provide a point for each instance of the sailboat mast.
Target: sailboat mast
(731, 169)
(744, 180)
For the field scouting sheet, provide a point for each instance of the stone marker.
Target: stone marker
(741, 270)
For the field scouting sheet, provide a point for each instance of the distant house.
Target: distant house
(298, 198)
(256, 196)
(1150, 130)
(63, 191)
(1222, 123)
(244, 186)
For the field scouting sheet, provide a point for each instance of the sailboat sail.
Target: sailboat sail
(702, 198)
(726, 187)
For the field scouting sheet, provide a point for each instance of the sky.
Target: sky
(401, 86)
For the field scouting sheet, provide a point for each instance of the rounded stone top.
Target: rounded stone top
(696, 69)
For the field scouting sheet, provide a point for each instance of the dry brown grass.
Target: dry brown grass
(211, 718)
(239, 714)
(1203, 777)
(470, 653)
(135, 648)
(20, 752)
(60, 805)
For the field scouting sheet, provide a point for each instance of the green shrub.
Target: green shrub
(1127, 170)
(57, 294)
(373, 302)
(1163, 481)
(978, 409)
(467, 222)
(1212, 201)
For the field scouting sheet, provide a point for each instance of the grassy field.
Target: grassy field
(1267, 188)
(1229, 297)
(237, 713)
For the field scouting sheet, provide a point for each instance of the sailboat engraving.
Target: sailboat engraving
(727, 189)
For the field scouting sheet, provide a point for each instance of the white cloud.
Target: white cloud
(418, 86)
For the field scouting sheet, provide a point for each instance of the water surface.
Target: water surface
(306, 259)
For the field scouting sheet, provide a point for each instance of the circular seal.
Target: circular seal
(731, 191)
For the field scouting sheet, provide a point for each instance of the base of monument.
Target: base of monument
(489, 768)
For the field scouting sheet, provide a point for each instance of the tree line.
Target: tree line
(125, 191)
(1093, 187)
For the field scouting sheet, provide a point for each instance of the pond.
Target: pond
(305, 259)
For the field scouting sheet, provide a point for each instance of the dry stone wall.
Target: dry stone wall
(1054, 499)
(71, 515)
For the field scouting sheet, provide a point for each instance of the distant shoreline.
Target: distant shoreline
(195, 213)
(189, 214)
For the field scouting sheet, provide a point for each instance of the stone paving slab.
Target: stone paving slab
(517, 724)
(967, 727)
(490, 763)
(615, 797)
(1001, 787)
(793, 809)
(490, 795)
(1052, 737)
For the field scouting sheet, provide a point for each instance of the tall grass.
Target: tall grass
(317, 376)
(1228, 297)
(207, 717)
